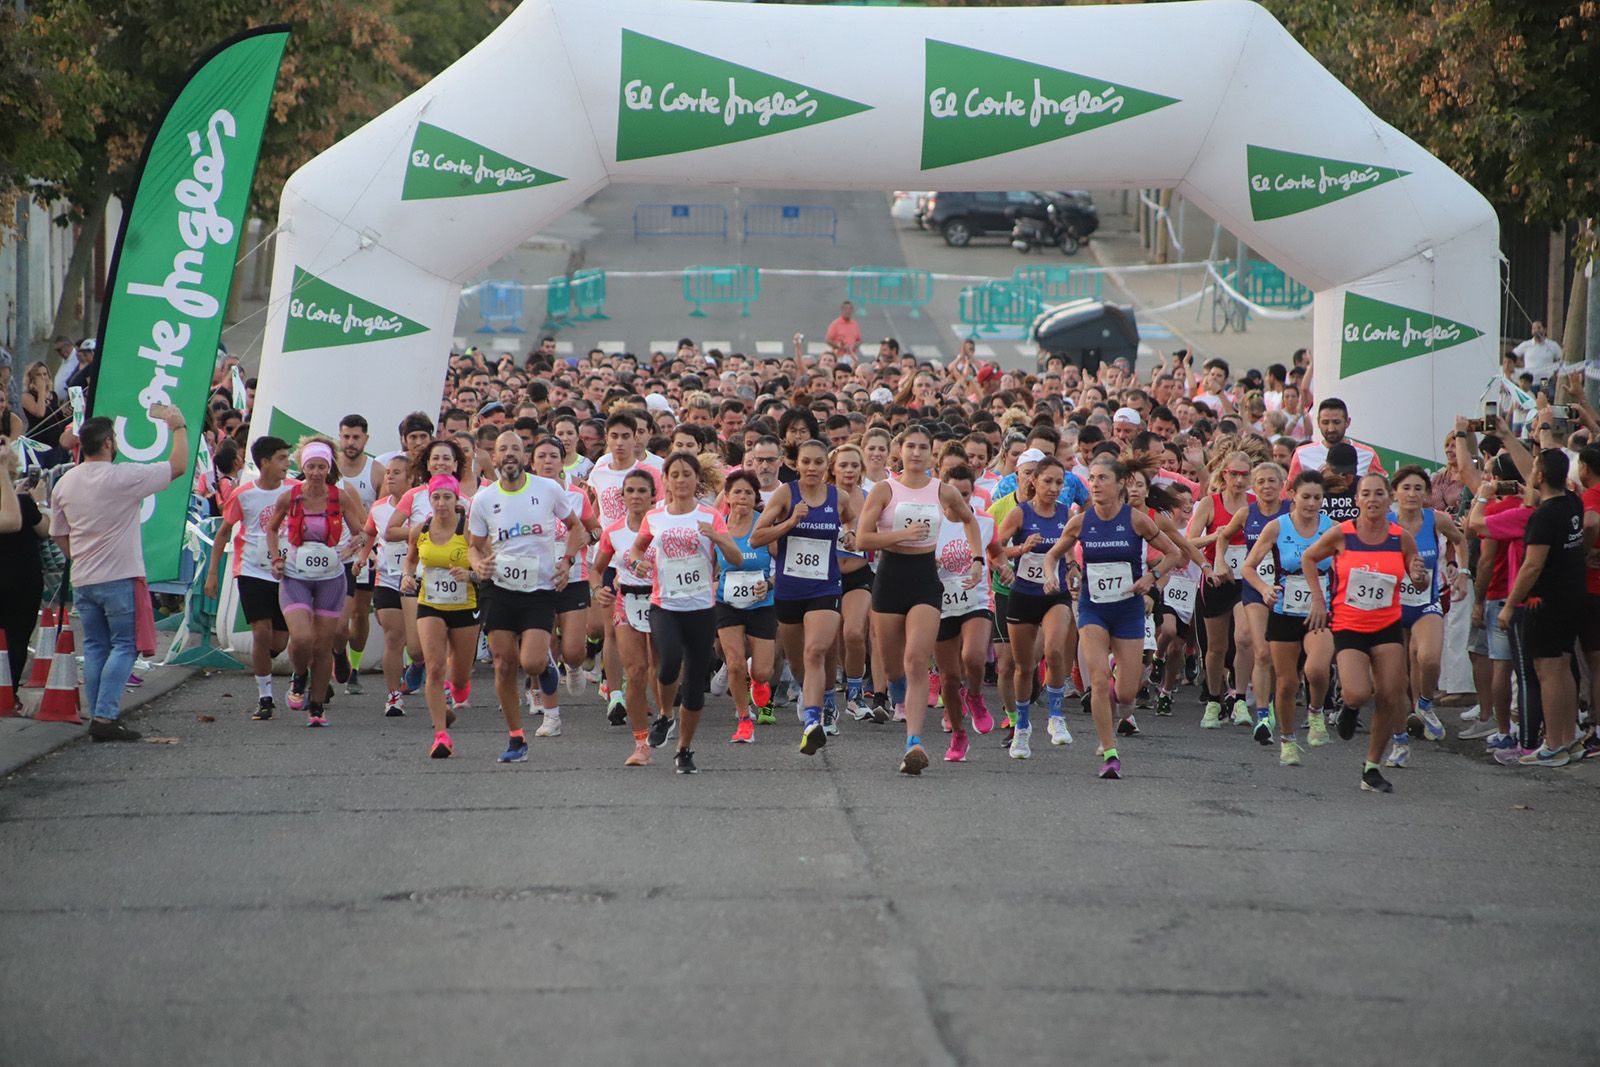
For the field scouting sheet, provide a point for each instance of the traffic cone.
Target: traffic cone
(60, 702)
(8, 695)
(48, 621)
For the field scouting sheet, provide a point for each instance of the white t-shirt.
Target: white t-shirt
(249, 509)
(955, 563)
(684, 575)
(606, 483)
(391, 555)
(1539, 358)
(521, 523)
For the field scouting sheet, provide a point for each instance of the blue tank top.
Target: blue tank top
(1290, 546)
(812, 546)
(757, 560)
(1049, 531)
(1255, 522)
(1427, 540)
(1112, 540)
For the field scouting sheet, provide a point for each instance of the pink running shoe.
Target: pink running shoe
(933, 689)
(978, 712)
(957, 752)
(899, 713)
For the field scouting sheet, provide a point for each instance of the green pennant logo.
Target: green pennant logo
(1287, 183)
(979, 104)
(322, 315)
(1377, 334)
(675, 99)
(291, 429)
(446, 164)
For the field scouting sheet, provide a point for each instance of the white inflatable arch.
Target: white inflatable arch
(378, 234)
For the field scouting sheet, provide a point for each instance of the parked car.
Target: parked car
(959, 217)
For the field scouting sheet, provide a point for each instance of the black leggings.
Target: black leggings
(683, 641)
(19, 612)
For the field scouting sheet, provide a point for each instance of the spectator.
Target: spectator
(844, 332)
(67, 352)
(96, 523)
(1540, 356)
(21, 571)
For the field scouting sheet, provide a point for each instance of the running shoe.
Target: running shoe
(1212, 719)
(316, 718)
(830, 718)
(1544, 757)
(594, 677)
(1127, 727)
(744, 733)
(341, 666)
(483, 653)
(1399, 752)
(574, 680)
(617, 714)
(1414, 725)
(1316, 730)
(978, 712)
(935, 691)
(812, 738)
(1142, 698)
(264, 710)
(1591, 747)
(915, 761)
(683, 762)
(1349, 719)
(765, 716)
(640, 757)
(394, 705)
(1471, 713)
(1432, 728)
(1163, 703)
(957, 752)
(1477, 729)
(1497, 741)
(551, 727)
(1241, 712)
(659, 728)
(353, 686)
(297, 691)
(858, 710)
(899, 713)
(1263, 731)
(719, 682)
(944, 721)
(1289, 753)
(1158, 669)
(1373, 782)
(516, 751)
(1019, 743)
(881, 713)
(411, 681)
(442, 748)
(1111, 768)
(1059, 734)
(1512, 757)
(1011, 735)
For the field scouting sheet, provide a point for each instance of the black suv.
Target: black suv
(962, 216)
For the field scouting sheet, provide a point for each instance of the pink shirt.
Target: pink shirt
(97, 506)
(844, 333)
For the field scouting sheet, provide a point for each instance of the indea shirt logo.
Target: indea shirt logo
(520, 529)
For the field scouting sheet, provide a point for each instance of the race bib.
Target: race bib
(442, 589)
(255, 553)
(1413, 597)
(392, 557)
(1370, 590)
(1234, 556)
(1180, 594)
(518, 574)
(636, 610)
(1149, 633)
(684, 579)
(314, 563)
(958, 600)
(909, 514)
(1031, 568)
(843, 551)
(1268, 570)
(739, 588)
(806, 558)
(1109, 583)
(1297, 595)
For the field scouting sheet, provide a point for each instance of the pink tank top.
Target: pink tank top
(909, 506)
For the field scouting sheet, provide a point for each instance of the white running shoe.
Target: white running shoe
(1432, 728)
(1470, 714)
(1019, 744)
(719, 682)
(551, 727)
(1059, 734)
(483, 650)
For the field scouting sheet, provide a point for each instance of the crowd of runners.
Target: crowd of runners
(873, 537)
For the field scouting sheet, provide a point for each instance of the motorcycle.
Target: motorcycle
(1028, 233)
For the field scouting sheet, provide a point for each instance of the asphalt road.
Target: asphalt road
(263, 893)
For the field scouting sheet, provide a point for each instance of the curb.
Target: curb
(23, 740)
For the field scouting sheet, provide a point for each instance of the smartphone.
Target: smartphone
(1491, 411)
(1560, 411)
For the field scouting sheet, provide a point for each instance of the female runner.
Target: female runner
(437, 570)
(1038, 614)
(627, 596)
(386, 589)
(1162, 503)
(1222, 626)
(1282, 543)
(966, 613)
(1371, 556)
(900, 520)
(441, 456)
(746, 621)
(845, 466)
(1266, 482)
(808, 519)
(311, 587)
(1111, 596)
(682, 537)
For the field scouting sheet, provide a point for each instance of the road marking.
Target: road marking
(608, 347)
(721, 346)
(667, 347)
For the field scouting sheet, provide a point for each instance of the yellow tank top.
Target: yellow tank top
(435, 588)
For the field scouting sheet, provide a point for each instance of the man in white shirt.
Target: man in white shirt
(69, 366)
(1540, 356)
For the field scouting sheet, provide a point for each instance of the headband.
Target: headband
(316, 450)
(444, 481)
